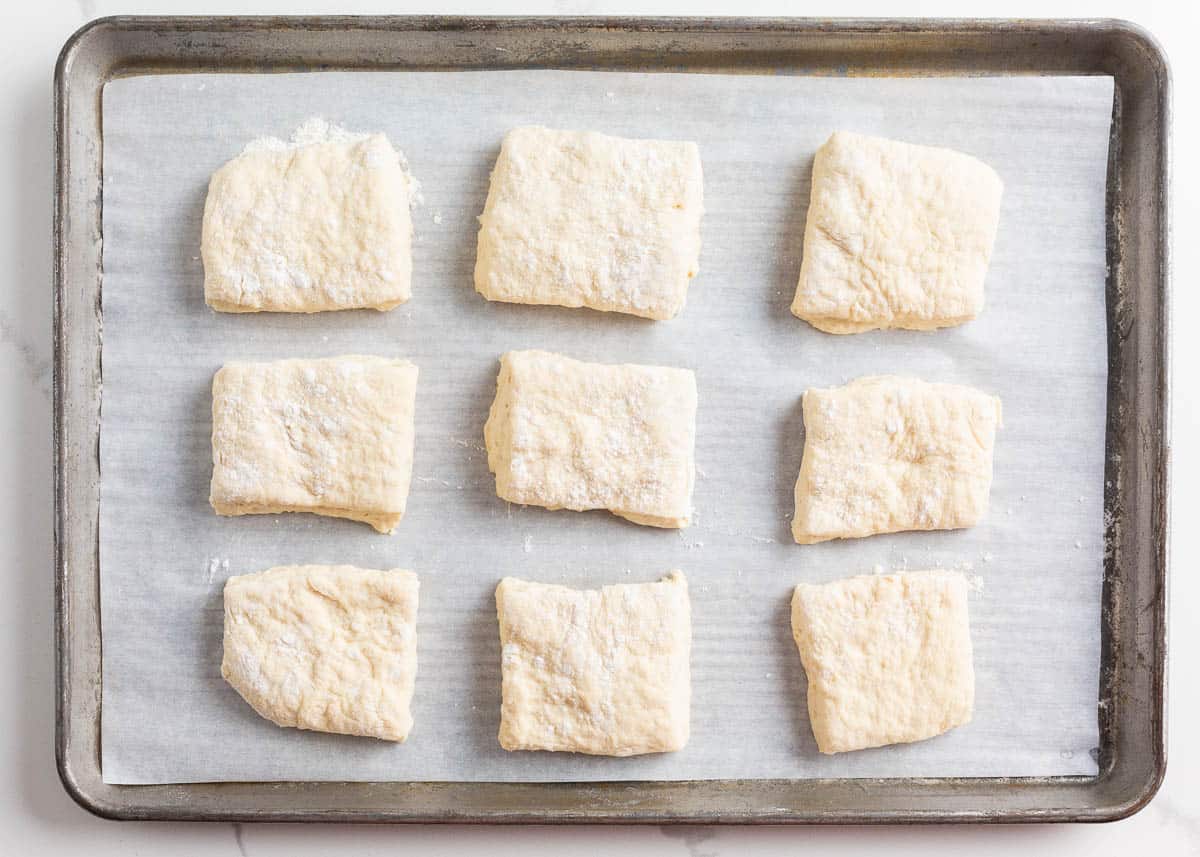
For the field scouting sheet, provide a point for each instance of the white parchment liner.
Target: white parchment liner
(1039, 345)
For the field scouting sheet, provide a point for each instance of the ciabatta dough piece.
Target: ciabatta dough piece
(309, 227)
(603, 671)
(888, 453)
(330, 436)
(571, 435)
(897, 236)
(888, 658)
(583, 219)
(328, 648)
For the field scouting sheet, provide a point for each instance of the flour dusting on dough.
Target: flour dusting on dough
(315, 130)
(312, 131)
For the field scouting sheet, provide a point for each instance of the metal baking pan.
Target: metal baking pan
(1132, 750)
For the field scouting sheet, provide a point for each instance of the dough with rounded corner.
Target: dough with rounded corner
(565, 434)
(887, 656)
(327, 648)
(604, 672)
(580, 219)
(897, 236)
(330, 436)
(887, 453)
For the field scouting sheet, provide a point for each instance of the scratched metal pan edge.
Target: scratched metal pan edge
(1133, 656)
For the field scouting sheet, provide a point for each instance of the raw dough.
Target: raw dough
(603, 671)
(897, 236)
(583, 219)
(328, 648)
(309, 227)
(570, 435)
(332, 436)
(886, 453)
(888, 658)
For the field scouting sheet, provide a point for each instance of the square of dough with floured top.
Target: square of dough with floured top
(888, 658)
(309, 226)
(327, 648)
(888, 453)
(580, 219)
(571, 435)
(331, 436)
(897, 236)
(602, 671)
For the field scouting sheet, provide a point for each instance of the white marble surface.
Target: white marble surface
(37, 817)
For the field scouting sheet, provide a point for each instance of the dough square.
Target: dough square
(897, 236)
(565, 434)
(306, 227)
(604, 672)
(330, 648)
(576, 218)
(888, 658)
(330, 436)
(885, 453)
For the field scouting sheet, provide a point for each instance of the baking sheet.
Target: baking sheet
(1040, 345)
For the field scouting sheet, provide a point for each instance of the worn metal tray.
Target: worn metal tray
(1132, 753)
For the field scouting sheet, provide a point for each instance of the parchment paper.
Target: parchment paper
(1040, 345)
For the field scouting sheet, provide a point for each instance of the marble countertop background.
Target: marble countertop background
(36, 815)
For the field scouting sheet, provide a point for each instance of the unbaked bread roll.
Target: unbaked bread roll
(321, 223)
(328, 648)
(897, 236)
(565, 434)
(602, 671)
(331, 436)
(580, 219)
(888, 657)
(887, 453)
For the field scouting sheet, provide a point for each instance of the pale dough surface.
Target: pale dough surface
(322, 226)
(888, 657)
(565, 434)
(604, 672)
(887, 453)
(331, 436)
(580, 219)
(897, 236)
(327, 648)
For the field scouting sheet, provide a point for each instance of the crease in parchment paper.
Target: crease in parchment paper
(1039, 344)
